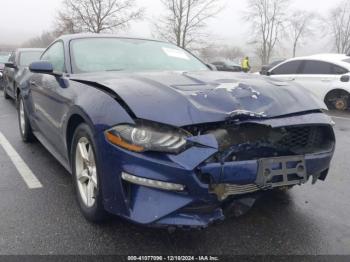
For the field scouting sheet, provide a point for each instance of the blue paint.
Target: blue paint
(174, 98)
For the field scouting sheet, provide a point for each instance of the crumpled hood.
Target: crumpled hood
(181, 99)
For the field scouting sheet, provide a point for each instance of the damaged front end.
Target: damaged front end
(224, 167)
(257, 155)
(265, 154)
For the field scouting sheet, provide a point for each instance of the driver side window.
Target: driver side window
(55, 55)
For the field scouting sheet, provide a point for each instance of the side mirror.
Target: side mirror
(41, 67)
(268, 73)
(11, 65)
(0, 75)
(345, 78)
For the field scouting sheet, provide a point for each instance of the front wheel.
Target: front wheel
(86, 175)
(24, 124)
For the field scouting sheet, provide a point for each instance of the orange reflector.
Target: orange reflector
(116, 140)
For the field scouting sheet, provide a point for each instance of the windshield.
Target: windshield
(114, 54)
(27, 57)
(4, 57)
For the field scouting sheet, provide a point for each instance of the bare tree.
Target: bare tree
(300, 26)
(96, 16)
(67, 24)
(268, 19)
(340, 26)
(42, 41)
(184, 20)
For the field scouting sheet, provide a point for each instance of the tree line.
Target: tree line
(184, 23)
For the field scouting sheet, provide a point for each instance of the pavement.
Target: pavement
(45, 220)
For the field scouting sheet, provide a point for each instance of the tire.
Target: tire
(6, 96)
(86, 175)
(23, 122)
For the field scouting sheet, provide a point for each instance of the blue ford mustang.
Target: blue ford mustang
(151, 134)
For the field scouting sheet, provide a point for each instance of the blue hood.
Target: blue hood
(181, 99)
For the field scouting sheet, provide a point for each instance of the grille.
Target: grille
(296, 138)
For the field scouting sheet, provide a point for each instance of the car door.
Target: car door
(48, 97)
(319, 76)
(287, 71)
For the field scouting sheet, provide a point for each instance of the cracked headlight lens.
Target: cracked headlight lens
(148, 137)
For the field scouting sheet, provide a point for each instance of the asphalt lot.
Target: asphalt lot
(307, 220)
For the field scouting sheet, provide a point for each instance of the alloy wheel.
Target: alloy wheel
(86, 173)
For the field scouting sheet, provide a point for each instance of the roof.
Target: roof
(338, 59)
(324, 57)
(94, 35)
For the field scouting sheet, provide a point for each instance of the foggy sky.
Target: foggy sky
(23, 19)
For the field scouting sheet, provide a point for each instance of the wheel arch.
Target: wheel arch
(337, 92)
(74, 121)
(76, 117)
(98, 110)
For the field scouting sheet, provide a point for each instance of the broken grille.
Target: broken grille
(253, 141)
(297, 138)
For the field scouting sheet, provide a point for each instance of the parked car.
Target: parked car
(227, 66)
(151, 134)
(16, 67)
(4, 56)
(266, 68)
(326, 76)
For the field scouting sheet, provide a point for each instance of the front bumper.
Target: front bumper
(199, 205)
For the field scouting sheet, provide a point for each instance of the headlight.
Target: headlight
(148, 137)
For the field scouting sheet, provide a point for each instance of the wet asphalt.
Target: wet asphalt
(308, 220)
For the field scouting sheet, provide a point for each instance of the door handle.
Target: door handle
(326, 80)
(290, 79)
